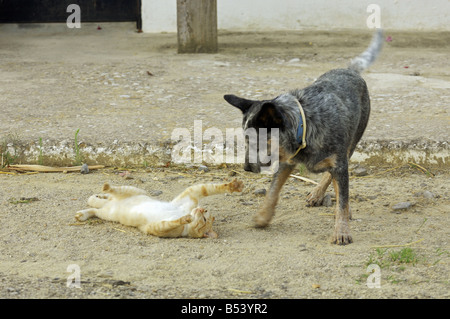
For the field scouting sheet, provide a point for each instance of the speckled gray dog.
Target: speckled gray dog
(336, 108)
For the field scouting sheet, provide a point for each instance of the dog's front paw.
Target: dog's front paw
(342, 234)
(262, 218)
(236, 186)
(315, 198)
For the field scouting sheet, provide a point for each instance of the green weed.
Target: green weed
(386, 258)
(7, 158)
(23, 200)
(403, 256)
(41, 157)
(78, 155)
(391, 260)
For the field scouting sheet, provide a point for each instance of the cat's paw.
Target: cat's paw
(236, 186)
(200, 210)
(211, 234)
(106, 187)
(85, 214)
(186, 219)
(81, 216)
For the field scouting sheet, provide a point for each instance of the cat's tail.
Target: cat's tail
(365, 59)
(122, 191)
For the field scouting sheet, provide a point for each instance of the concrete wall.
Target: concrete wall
(256, 15)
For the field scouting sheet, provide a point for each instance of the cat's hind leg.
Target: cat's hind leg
(104, 213)
(121, 192)
(173, 228)
(85, 214)
(98, 200)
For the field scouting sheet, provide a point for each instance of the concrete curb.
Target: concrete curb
(141, 154)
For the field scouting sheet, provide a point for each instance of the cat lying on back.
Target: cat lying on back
(181, 217)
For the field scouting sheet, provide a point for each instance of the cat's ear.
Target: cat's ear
(211, 234)
(106, 187)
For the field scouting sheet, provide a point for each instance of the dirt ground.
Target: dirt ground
(53, 83)
(290, 259)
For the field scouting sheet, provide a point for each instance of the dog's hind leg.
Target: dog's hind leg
(342, 217)
(315, 198)
(265, 214)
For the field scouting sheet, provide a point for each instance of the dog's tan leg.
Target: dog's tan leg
(336, 191)
(315, 198)
(263, 217)
(342, 234)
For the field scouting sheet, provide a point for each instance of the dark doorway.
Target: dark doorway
(43, 11)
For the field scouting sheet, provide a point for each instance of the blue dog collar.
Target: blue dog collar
(300, 131)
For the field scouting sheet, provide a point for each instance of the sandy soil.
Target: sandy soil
(55, 82)
(290, 259)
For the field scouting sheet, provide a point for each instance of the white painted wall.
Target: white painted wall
(257, 15)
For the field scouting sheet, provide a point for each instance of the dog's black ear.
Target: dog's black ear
(239, 102)
(270, 116)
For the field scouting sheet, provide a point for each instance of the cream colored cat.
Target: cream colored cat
(181, 217)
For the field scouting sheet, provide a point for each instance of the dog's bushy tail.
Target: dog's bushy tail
(364, 60)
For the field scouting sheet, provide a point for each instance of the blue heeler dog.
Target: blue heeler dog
(335, 111)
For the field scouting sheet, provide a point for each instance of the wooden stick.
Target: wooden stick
(422, 169)
(123, 231)
(304, 179)
(408, 244)
(48, 169)
(8, 173)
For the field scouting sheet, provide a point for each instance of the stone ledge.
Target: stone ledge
(62, 153)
